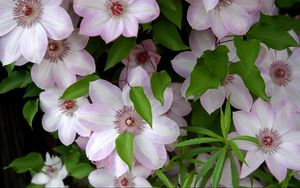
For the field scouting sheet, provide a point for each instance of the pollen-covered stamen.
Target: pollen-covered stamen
(127, 120)
(269, 140)
(57, 50)
(280, 73)
(68, 106)
(228, 79)
(125, 180)
(225, 3)
(115, 7)
(27, 12)
(141, 58)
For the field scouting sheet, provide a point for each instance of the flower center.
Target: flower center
(225, 3)
(116, 8)
(141, 58)
(68, 106)
(51, 170)
(27, 12)
(57, 49)
(228, 79)
(127, 120)
(280, 73)
(124, 181)
(269, 140)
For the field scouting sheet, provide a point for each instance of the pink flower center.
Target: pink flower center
(27, 12)
(225, 3)
(280, 73)
(141, 58)
(116, 8)
(228, 79)
(57, 49)
(127, 120)
(124, 181)
(269, 140)
(68, 106)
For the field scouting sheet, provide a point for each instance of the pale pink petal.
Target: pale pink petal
(80, 62)
(184, 63)
(34, 43)
(96, 117)
(115, 165)
(79, 127)
(201, 41)
(101, 144)
(217, 26)
(131, 27)
(52, 2)
(264, 113)
(245, 145)
(112, 29)
(62, 173)
(40, 178)
(181, 107)
(138, 77)
(56, 29)
(92, 25)
(122, 77)
(76, 41)
(254, 159)
(144, 11)
(66, 132)
(210, 4)
(281, 55)
(82, 142)
(213, 99)
(157, 108)
(288, 156)
(100, 178)
(235, 19)
(62, 76)
(149, 45)
(146, 153)
(7, 21)
(181, 122)
(10, 46)
(198, 17)
(50, 120)
(291, 137)
(103, 92)
(294, 59)
(276, 169)
(246, 123)
(49, 99)
(141, 182)
(55, 182)
(41, 74)
(139, 170)
(163, 131)
(285, 117)
(250, 6)
(21, 61)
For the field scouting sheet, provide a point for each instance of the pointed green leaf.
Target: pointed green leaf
(172, 9)
(32, 161)
(79, 88)
(164, 179)
(30, 109)
(119, 51)
(195, 141)
(17, 79)
(285, 22)
(159, 82)
(124, 146)
(234, 172)
(237, 151)
(216, 177)
(189, 180)
(71, 159)
(81, 170)
(32, 91)
(246, 138)
(204, 131)
(167, 35)
(226, 119)
(141, 103)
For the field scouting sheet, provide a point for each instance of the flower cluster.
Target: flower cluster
(141, 118)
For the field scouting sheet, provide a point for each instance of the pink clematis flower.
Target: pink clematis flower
(281, 73)
(275, 127)
(112, 113)
(224, 17)
(26, 25)
(64, 60)
(233, 85)
(111, 18)
(62, 115)
(135, 178)
(52, 174)
(144, 55)
(68, 6)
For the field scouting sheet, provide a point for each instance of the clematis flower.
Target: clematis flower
(144, 55)
(64, 59)
(135, 178)
(281, 73)
(233, 85)
(111, 18)
(224, 17)
(112, 113)
(26, 25)
(68, 6)
(278, 138)
(52, 174)
(62, 115)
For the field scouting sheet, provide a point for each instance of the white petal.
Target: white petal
(254, 159)
(40, 178)
(246, 123)
(66, 132)
(276, 168)
(55, 182)
(41, 74)
(184, 63)
(213, 99)
(100, 178)
(201, 41)
(141, 182)
(62, 75)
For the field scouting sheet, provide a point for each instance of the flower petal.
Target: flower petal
(112, 29)
(141, 182)
(131, 27)
(40, 178)
(184, 63)
(139, 170)
(213, 99)
(197, 17)
(201, 41)
(50, 120)
(217, 25)
(277, 170)
(76, 41)
(55, 182)
(144, 11)
(288, 156)
(7, 21)
(246, 123)
(264, 113)
(254, 159)
(80, 62)
(66, 132)
(41, 74)
(100, 178)
(115, 165)
(210, 4)
(62, 76)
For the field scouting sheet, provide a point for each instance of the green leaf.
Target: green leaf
(30, 109)
(247, 52)
(172, 9)
(193, 152)
(287, 179)
(285, 22)
(141, 103)
(34, 186)
(32, 161)
(79, 88)
(17, 79)
(81, 170)
(204, 131)
(189, 180)
(159, 82)
(167, 35)
(32, 91)
(124, 146)
(216, 177)
(273, 36)
(195, 141)
(71, 159)
(201, 80)
(246, 138)
(287, 3)
(237, 151)
(96, 46)
(164, 179)
(119, 51)
(9, 68)
(234, 172)
(226, 119)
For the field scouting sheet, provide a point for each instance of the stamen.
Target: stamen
(224, 3)
(68, 106)
(280, 73)
(57, 50)
(228, 79)
(269, 140)
(141, 58)
(27, 12)
(115, 8)
(124, 181)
